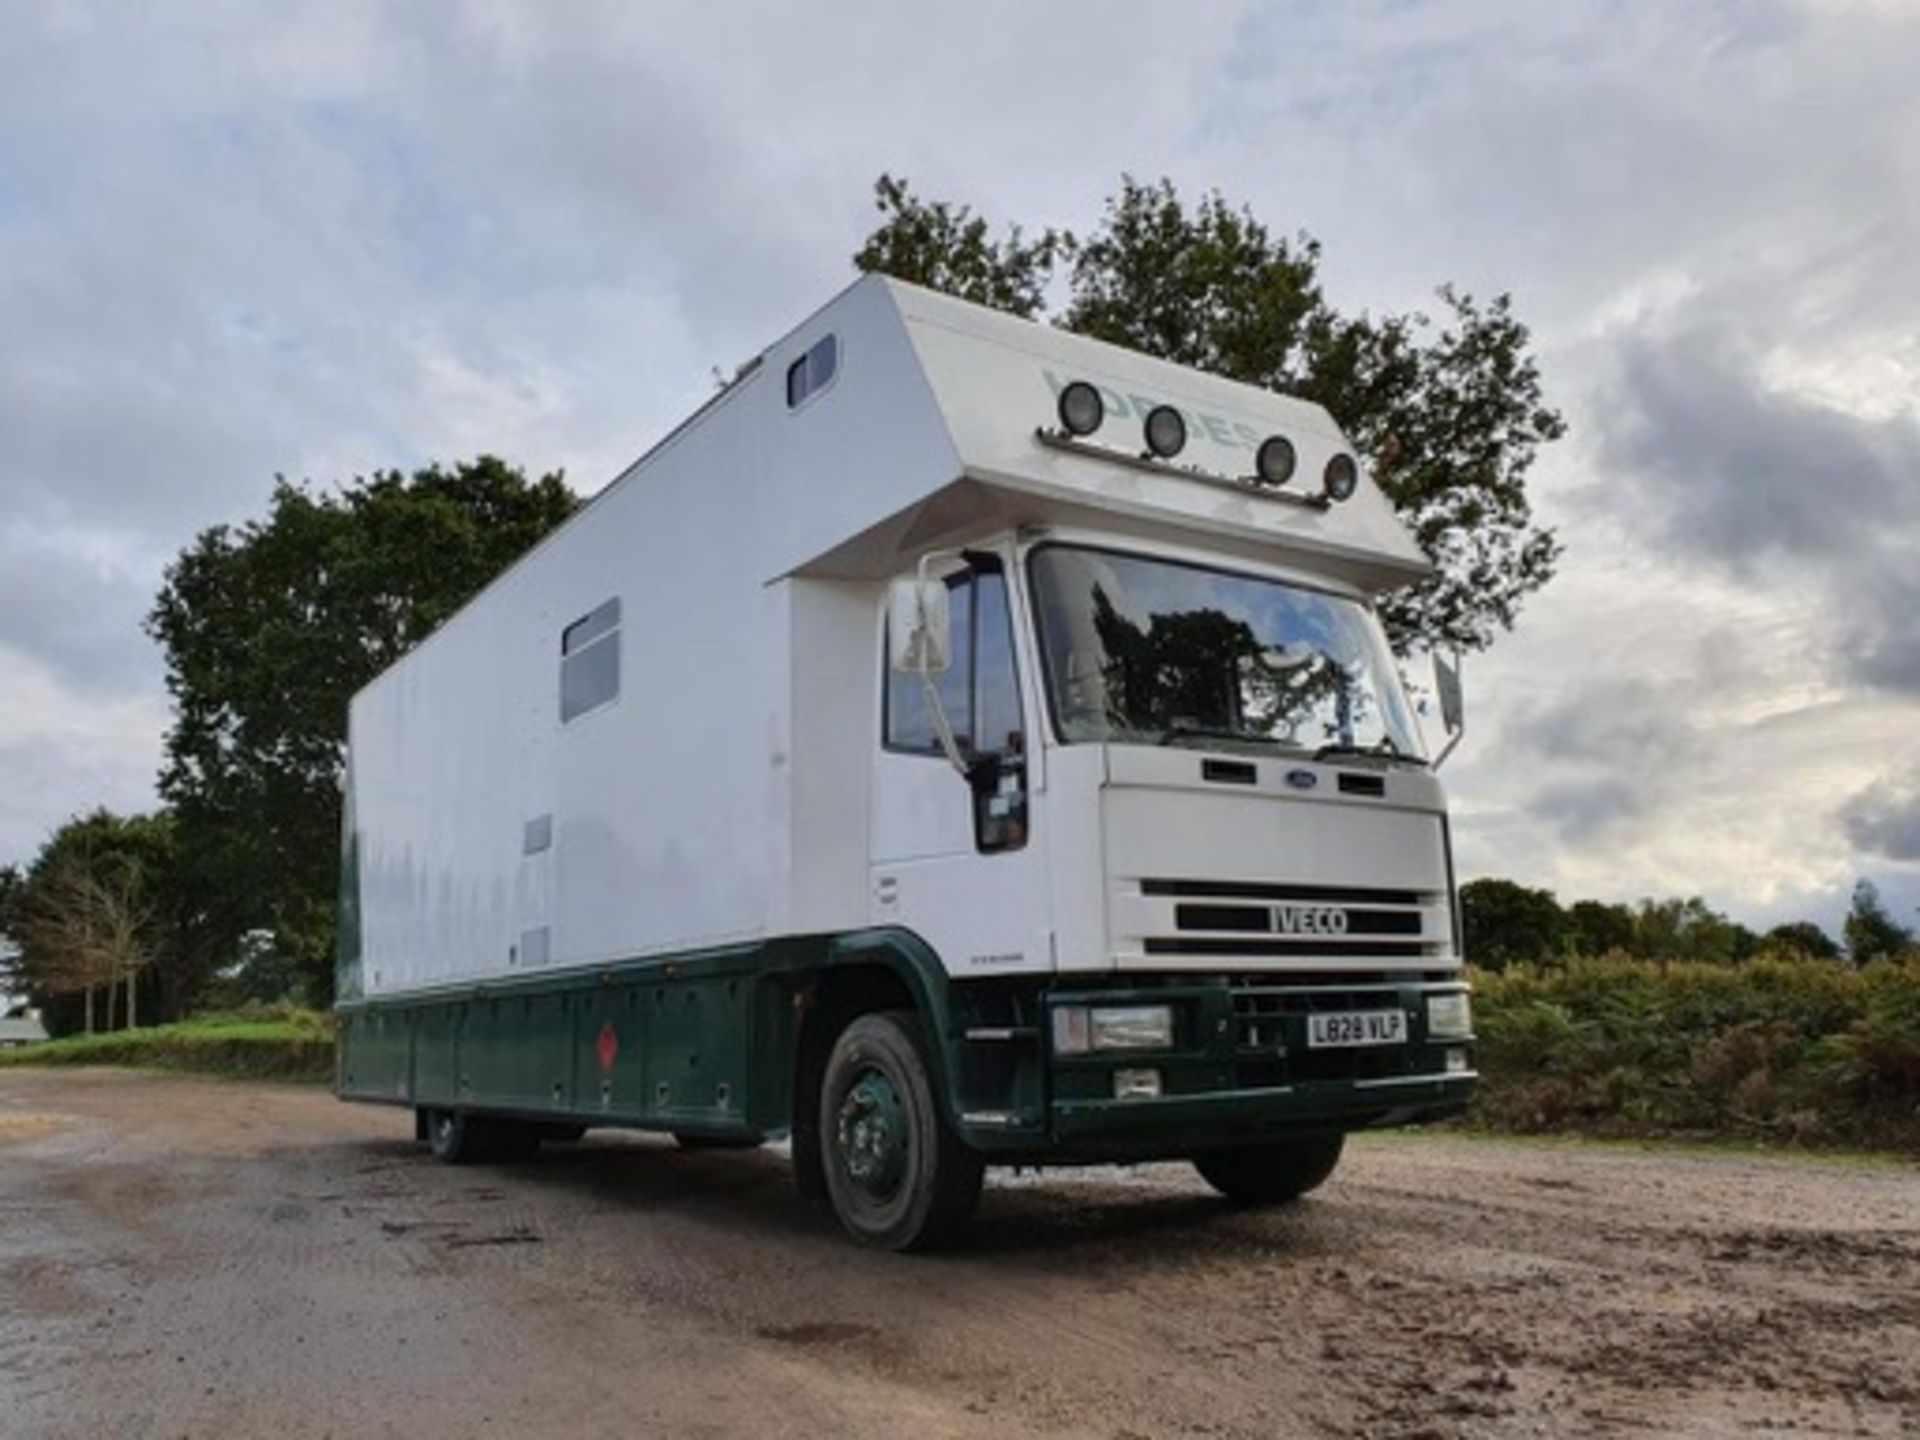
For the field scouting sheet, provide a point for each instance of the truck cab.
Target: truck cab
(1186, 862)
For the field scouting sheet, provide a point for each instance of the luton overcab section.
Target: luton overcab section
(960, 743)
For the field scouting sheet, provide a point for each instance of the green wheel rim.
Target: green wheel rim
(874, 1135)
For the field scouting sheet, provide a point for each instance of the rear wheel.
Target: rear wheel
(459, 1138)
(454, 1137)
(898, 1178)
(1271, 1174)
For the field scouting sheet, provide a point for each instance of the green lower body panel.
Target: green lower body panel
(728, 1043)
(663, 1045)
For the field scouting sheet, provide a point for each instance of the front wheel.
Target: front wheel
(898, 1178)
(1271, 1174)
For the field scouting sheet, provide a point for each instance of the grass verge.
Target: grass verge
(296, 1045)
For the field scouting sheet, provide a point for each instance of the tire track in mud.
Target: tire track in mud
(231, 1260)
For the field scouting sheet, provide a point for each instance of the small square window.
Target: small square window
(590, 661)
(813, 371)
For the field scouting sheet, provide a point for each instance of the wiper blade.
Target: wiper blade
(1383, 749)
(1220, 732)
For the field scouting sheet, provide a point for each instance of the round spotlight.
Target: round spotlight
(1081, 410)
(1166, 432)
(1273, 461)
(1342, 477)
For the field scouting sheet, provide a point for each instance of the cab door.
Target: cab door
(956, 858)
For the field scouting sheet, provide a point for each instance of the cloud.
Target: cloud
(1774, 488)
(1631, 724)
(319, 238)
(1885, 819)
(1603, 756)
(76, 606)
(1744, 476)
(66, 750)
(1586, 811)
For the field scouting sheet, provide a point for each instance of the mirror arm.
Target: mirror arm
(942, 727)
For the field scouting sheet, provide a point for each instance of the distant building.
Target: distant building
(22, 1029)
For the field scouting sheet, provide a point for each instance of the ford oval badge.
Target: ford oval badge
(1302, 779)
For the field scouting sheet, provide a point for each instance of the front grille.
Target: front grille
(1390, 949)
(1267, 890)
(1260, 919)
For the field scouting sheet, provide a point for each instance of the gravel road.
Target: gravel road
(207, 1259)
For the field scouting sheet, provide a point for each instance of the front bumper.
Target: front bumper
(1241, 1070)
(1180, 1124)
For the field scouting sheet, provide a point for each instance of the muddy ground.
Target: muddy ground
(199, 1258)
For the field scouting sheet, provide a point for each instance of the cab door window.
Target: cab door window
(909, 721)
(980, 691)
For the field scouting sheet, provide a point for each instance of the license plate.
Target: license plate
(1357, 1027)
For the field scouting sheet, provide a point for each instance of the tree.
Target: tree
(90, 915)
(1688, 929)
(1597, 928)
(11, 883)
(1509, 924)
(945, 247)
(268, 629)
(1871, 933)
(1803, 936)
(1449, 417)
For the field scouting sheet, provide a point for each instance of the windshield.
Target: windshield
(1154, 651)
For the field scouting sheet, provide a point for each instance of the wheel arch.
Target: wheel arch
(889, 968)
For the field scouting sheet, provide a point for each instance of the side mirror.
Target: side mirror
(919, 626)
(1446, 679)
(1453, 707)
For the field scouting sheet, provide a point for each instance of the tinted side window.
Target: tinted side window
(979, 689)
(996, 693)
(590, 660)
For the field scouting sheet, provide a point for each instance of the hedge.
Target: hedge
(292, 1045)
(1803, 1051)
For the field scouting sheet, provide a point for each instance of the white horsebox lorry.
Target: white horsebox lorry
(959, 743)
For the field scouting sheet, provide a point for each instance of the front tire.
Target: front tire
(898, 1178)
(1271, 1174)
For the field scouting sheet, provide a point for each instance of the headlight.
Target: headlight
(1449, 1017)
(1078, 1029)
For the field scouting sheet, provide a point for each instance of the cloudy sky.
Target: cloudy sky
(242, 239)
